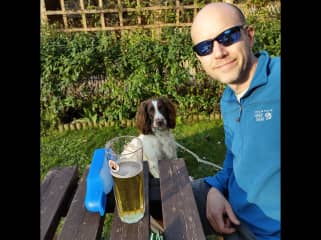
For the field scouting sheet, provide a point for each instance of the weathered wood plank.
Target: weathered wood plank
(140, 230)
(57, 189)
(180, 216)
(81, 224)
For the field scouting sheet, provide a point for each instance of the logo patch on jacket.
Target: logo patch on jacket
(263, 115)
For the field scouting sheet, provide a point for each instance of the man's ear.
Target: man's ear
(250, 34)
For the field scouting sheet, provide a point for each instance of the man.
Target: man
(242, 201)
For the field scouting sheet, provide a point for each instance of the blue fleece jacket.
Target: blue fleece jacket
(250, 178)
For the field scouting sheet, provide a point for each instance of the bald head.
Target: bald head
(213, 19)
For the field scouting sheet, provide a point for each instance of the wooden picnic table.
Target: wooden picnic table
(63, 194)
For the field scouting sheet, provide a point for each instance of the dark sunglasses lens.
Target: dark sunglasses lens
(228, 38)
(204, 48)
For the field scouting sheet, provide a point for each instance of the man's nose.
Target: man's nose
(219, 50)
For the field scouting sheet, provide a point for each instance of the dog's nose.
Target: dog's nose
(159, 122)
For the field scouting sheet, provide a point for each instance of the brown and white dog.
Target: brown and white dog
(155, 118)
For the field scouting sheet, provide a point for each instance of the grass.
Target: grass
(204, 138)
(75, 147)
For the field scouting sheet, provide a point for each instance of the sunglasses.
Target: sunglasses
(226, 38)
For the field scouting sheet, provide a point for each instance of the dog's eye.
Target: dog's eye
(160, 106)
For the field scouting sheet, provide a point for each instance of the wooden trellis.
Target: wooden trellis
(111, 15)
(57, 10)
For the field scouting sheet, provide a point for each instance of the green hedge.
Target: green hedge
(137, 65)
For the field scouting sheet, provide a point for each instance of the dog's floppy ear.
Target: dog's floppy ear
(171, 109)
(143, 121)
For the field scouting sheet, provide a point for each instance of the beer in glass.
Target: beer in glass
(126, 152)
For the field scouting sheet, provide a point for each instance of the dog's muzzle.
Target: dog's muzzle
(160, 123)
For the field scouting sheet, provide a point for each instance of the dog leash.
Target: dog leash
(198, 158)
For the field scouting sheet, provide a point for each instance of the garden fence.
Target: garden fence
(103, 15)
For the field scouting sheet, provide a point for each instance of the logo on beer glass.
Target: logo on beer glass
(126, 168)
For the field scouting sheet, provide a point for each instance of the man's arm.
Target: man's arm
(220, 179)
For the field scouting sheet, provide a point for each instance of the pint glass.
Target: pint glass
(127, 152)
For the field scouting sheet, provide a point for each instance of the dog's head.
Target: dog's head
(155, 114)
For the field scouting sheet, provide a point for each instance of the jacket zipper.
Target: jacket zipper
(238, 119)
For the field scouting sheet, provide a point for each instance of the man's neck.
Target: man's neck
(242, 85)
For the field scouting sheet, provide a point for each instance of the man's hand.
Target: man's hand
(219, 212)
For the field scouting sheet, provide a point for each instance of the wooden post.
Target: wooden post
(157, 18)
(44, 18)
(139, 18)
(195, 8)
(102, 18)
(83, 15)
(120, 13)
(177, 11)
(63, 9)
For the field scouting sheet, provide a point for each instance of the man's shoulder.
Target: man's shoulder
(266, 55)
(275, 59)
(273, 63)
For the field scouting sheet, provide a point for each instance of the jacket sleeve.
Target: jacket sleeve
(220, 179)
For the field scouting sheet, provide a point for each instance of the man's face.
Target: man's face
(228, 64)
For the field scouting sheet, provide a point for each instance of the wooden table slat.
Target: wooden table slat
(140, 230)
(180, 215)
(81, 224)
(56, 191)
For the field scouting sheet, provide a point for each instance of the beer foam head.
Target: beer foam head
(128, 169)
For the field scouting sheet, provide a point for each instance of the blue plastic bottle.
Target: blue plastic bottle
(99, 183)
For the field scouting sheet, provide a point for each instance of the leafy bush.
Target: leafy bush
(66, 59)
(266, 21)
